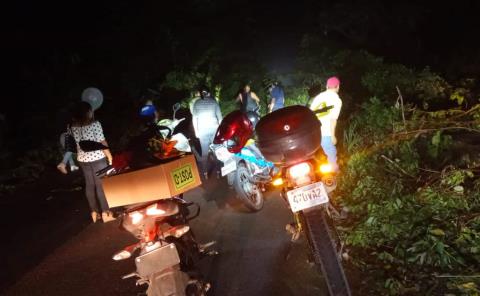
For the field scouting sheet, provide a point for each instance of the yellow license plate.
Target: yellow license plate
(183, 176)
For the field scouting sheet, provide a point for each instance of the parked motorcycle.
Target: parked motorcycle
(290, 138)
(167, 252)
(243, 164)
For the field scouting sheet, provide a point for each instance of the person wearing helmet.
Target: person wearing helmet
(328, 119)
(249, 101)
(277, 97)
(206, 117)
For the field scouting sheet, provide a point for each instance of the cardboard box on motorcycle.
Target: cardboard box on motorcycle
(152, 183)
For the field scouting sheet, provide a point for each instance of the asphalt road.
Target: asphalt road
(256, 255)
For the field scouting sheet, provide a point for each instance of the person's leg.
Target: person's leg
(90, 187)
(62, 166)
(331, 151)
(98, 165)
(67, 157)
(205, 144)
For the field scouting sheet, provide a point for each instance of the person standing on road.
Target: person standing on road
(328, 118)
(86, 128)
(277, 97)
(249, 101)
(206, 117)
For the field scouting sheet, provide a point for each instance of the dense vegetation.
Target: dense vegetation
(410, 167)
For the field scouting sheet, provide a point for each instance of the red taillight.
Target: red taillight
(299, 170)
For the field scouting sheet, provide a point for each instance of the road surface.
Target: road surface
(256, 255)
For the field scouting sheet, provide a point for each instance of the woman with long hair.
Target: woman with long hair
(86, 128)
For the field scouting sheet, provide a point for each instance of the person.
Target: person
(249, 101)
(86, 128)
(277, 97)
(206, 117)
(328, 119)
(67, 157)
(196, 96)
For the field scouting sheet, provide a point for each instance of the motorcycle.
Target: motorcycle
(290, 138)
(168, 252)
(246, 169)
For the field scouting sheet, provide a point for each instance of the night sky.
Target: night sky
(56, 49)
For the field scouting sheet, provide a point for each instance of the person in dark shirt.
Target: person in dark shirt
(249, 101)
(277, 97)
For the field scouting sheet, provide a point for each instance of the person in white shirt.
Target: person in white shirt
(328, 119)
(86, 128)
(206, 117)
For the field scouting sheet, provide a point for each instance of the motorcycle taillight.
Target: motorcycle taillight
(301, 173)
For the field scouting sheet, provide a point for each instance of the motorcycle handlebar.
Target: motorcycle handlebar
(108, 170)
(162, 127)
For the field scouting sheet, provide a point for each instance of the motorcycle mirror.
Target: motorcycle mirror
(175, 107)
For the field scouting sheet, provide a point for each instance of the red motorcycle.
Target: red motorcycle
(167, 253)
(290, 138)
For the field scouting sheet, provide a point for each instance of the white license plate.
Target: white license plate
(229, 166)
(223, 154)
(307, 196)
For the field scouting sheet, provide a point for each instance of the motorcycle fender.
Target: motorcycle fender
(157, 260)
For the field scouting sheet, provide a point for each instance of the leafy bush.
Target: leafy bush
(410, 222)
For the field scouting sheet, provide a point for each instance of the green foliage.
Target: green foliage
(408, 222)
(32, 165)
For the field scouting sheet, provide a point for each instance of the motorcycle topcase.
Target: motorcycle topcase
(288, 135)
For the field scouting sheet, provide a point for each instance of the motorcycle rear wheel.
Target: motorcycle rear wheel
(324, 252)
(250, 194)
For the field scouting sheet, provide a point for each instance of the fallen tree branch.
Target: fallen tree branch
(397, 166)
(457, 276)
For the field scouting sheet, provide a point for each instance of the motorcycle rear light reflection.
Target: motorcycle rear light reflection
(153, 210)
(124, 254)
(136, 217)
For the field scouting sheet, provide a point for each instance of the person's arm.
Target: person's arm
(315, 104)
(194, 120)
(254, 96)
(100, 137)
(218, 113)
(107, 152)
(270, 106)
(333, 123)
(239, 98)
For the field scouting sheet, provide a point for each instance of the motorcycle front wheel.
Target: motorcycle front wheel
(324, 252)
(249, 193)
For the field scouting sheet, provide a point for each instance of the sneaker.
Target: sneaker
(95, 216)
(107, 216)
(74, 168)
(62, 168)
